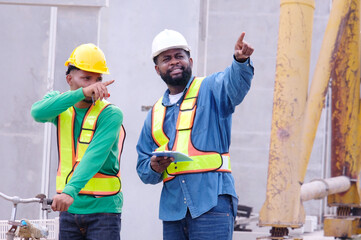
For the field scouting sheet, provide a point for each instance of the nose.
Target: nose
(174, 61)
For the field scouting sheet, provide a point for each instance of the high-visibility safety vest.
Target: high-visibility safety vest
(202, 161)
(101, 184)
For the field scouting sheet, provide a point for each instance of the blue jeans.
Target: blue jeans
(217, 223)
(89, 226)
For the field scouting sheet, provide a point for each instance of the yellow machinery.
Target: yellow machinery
(297, 111)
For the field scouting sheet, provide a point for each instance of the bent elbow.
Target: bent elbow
(37, 116)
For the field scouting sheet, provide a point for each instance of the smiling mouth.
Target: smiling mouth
(176, 71)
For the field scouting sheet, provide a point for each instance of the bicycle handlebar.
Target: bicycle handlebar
(40, 198)
(17, 199)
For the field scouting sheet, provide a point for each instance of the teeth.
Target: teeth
(176, 70)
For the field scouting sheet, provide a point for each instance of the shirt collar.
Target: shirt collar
(166, 101)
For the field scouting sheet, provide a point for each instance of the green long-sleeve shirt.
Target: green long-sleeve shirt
(101, 154)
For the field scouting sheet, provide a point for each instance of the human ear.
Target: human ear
(69, 79)
(157, 69)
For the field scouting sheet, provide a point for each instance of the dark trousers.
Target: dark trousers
(89, 226)
(217, 223)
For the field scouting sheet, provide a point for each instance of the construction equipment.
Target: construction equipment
(297, 111)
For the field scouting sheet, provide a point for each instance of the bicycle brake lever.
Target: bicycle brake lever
(41, 196)
(46, 202)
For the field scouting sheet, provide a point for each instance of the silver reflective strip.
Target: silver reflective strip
(226, 163)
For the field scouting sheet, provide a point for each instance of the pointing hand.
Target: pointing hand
(97, 90)
(242, 49)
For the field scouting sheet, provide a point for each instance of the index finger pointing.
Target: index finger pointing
(108, 82)
(240, 39)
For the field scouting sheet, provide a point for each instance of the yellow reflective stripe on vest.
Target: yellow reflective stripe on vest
(181, 143)
(188, 106)
(158, 114)
(88, 127)
(66, 143)
(100, 184)
(225, 167)
(104, 184)
(202, 161)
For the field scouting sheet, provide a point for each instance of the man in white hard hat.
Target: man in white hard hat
(193, 118)
(90, 140)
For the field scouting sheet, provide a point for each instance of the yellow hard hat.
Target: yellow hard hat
(88, 57)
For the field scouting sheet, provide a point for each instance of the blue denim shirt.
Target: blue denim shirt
(219, 94)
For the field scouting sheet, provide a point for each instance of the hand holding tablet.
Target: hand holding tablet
(178, 156)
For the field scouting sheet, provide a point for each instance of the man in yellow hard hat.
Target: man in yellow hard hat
(90, 140)
(186, 137)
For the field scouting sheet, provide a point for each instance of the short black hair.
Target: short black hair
(71, 68)
(155, 59)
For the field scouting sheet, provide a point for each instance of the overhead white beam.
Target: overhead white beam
(58, 3)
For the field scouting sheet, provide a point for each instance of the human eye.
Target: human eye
(166, 59)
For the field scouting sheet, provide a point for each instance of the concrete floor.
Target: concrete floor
(318, 235)
(308, 232)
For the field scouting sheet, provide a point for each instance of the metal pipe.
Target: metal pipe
(58, 3)
(345, 155)
(45, 179)
(282, 207)
(336, 28)
(325, 152)
(321, 188)
(203, 39)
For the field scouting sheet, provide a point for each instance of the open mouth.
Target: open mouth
(176, 70)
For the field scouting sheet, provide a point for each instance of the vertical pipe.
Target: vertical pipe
(345, 105)
(45, 172)
(282, 207)
(325, 152)
(202, 40)
(326, 62)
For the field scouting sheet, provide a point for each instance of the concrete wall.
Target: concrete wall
(124, 30)
(24, 67)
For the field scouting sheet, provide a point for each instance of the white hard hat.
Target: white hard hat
(168, 39)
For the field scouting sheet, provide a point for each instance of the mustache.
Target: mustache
(180, 80)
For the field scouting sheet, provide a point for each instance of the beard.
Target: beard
(177, 81)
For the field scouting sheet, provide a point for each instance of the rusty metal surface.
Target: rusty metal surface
(350, 198)
(342, 227)
(345, 104)
(324, 68)
(295, 116)
(345, 95)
